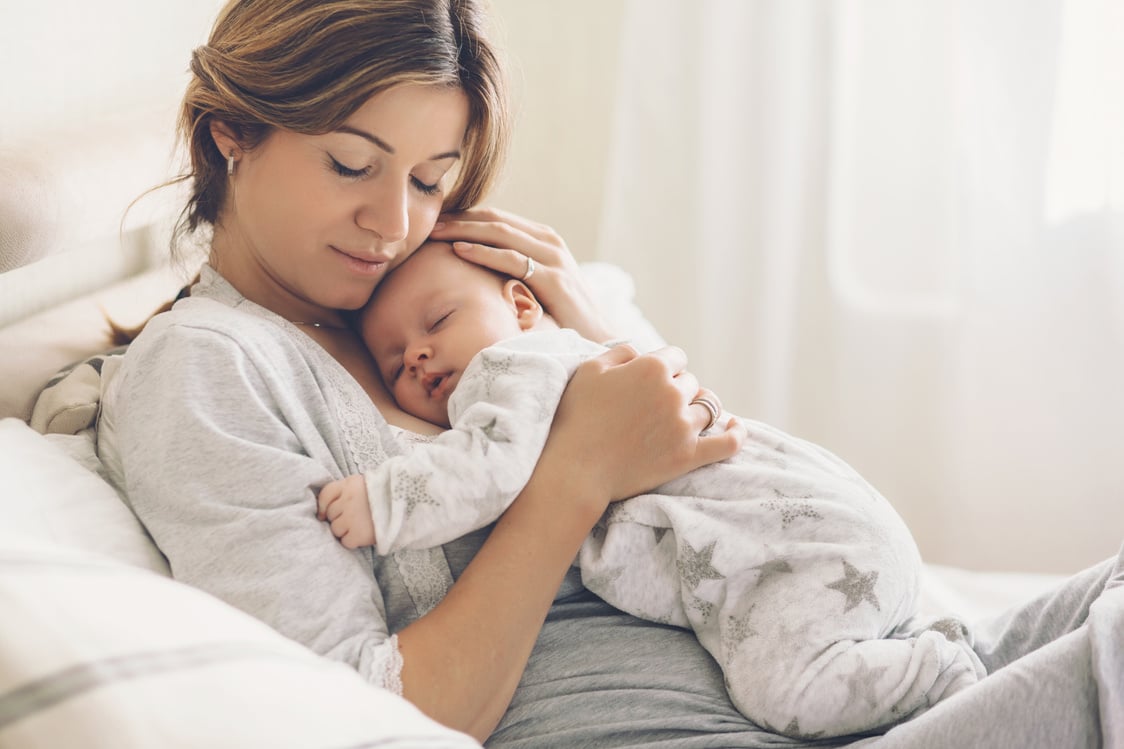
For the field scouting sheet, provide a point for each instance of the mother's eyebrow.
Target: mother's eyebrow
(387, 147)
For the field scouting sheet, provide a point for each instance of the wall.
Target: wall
(564, 58)
(108, 77)
(114, 75)
(89, 96)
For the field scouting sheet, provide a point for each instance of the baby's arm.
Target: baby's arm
(344, 504)
(467, 476)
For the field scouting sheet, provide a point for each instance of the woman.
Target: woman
(327, 138)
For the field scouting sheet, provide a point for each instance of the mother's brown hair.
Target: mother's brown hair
(308, 65)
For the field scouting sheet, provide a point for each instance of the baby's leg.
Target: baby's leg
(804, 624)
(807, 654)
(629, 560)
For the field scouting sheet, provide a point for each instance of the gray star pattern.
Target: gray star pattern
(491, 369)
(694, 566)
(604, 580)
(738, 629)
(771, 569)
(793, 729)
(792, 508)
(705, 608)
(952, 629)
(414, 491)
(856, 586)
(489, 431)
(863, 682)
(619, 513)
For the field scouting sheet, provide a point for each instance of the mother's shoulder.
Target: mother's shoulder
(209, 325)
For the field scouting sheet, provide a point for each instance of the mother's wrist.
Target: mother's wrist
(567, 491)
(595, 330)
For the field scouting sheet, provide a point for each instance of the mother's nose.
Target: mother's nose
(385, 211)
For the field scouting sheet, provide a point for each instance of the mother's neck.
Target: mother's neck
(251, 279)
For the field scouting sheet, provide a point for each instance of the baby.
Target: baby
(794, 573)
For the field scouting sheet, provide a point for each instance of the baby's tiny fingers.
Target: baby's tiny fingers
(324, 500)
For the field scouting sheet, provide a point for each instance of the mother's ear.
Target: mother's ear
(527, 309)
(226, 140)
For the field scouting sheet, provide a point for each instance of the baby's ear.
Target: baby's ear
(527, 309)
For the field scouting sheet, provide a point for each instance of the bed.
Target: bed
(98, 645)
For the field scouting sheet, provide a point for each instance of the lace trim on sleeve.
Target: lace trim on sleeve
(387, 671)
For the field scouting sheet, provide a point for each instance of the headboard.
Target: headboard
(73, 251)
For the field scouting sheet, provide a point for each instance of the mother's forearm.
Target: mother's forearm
(463, 660)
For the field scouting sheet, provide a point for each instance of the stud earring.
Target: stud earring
(230, 165)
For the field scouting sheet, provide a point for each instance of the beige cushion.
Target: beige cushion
(36, 348)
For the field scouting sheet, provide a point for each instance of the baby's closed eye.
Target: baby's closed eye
(440, 319)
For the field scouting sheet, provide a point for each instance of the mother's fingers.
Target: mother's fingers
(715, 446)
(707, 405)
(482, 230)
(673, 357)
(488, 215)
(496, 232)
(504, 241)
(619, 354)
(508, 262)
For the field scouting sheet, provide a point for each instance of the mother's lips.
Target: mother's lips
(378, 260)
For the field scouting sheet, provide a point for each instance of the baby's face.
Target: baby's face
(427, 320)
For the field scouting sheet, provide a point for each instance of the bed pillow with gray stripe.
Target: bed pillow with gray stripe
(97, 653)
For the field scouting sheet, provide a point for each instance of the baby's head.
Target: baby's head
(431, 315)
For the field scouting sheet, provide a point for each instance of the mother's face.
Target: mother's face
(319, 219)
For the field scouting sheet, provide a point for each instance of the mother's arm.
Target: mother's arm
(220, 477)
(221, 464)
(623, 426)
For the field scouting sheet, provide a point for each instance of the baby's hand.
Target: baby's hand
(344, 504)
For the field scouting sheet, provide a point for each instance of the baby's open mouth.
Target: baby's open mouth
(433, 383)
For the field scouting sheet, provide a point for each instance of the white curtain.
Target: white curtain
(896, 227)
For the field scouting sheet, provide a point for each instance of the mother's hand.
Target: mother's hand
(503, 242)
(628, 422)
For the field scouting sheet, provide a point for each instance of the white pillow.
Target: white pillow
(48, 496)
(96, 653)
(614, 291)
